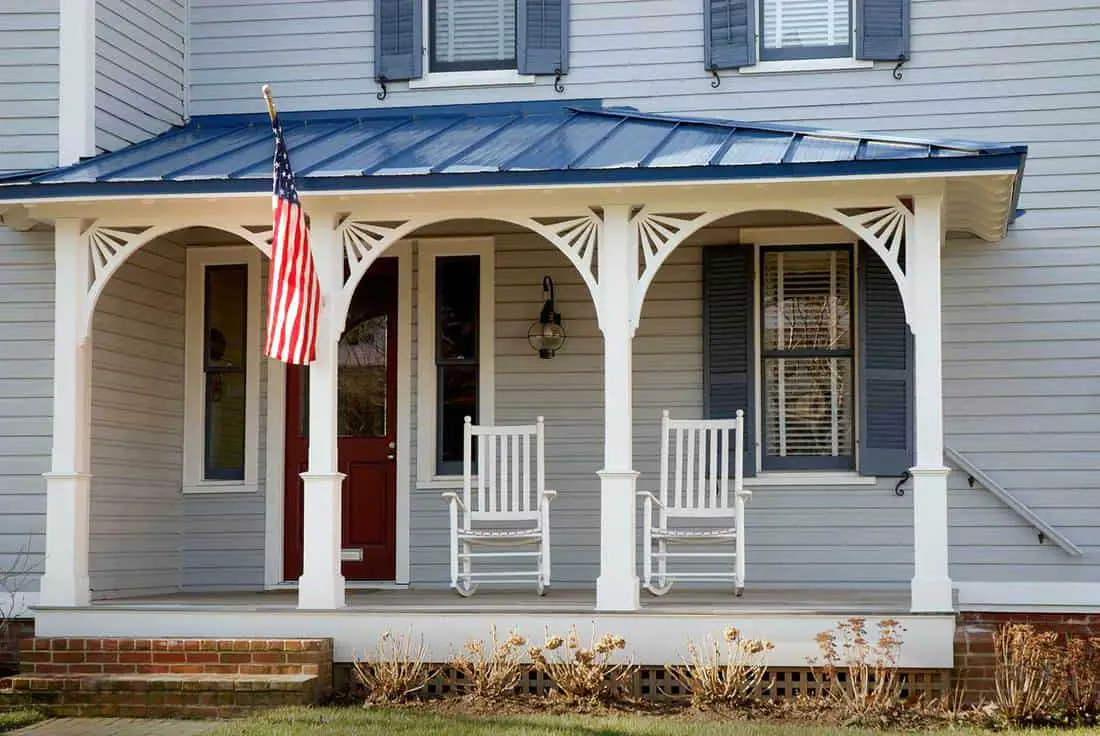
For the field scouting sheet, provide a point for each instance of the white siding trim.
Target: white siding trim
(194, 420)
(427, 251)
(186, 60)
(76, 82)
(481, 78)
(1022, 596)
(275, 479)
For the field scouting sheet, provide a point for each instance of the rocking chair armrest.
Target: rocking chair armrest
(547, 497)
(744, 494)
(452, 497)
(650, 496)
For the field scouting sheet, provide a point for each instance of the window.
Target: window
(469, 35)
(807, 360)
(455, 351)
(221, 412)
(805, 29)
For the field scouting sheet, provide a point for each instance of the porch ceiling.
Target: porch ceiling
(525, 144)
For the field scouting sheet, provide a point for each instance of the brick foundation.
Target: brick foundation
(18, 630)
(974, 642)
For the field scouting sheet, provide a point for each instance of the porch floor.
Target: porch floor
(869, 602)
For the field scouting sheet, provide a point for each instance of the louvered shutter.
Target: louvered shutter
(542, 36)
(728, 359)
(882, 29)
(729, 27)
(398, 39)
(886, 375)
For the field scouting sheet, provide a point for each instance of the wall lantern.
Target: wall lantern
(547, 335)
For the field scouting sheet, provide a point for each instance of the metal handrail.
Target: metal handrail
(1046, 531)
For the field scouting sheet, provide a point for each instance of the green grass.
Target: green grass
(18, 718)
(401, 722)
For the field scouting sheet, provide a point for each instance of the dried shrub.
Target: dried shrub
(1079, 676)
(729, 673)
(396, 670)
(584, 673)
(862, 676)
(491, 671)
(1025, 668)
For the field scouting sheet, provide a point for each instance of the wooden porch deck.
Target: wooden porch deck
(847, 602)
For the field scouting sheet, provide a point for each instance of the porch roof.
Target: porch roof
(503, 145)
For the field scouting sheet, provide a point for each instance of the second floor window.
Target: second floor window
(469, 35)
(805, 29)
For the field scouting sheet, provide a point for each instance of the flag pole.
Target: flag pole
(266, 89)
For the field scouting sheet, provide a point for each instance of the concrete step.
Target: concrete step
(159, 695)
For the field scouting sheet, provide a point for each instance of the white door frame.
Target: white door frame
(274, 517)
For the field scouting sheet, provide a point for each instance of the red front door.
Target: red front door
(366, 424)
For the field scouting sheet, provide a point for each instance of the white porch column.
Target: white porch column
(931, 586)
(65, 578)
(617, 586)
(321, 585)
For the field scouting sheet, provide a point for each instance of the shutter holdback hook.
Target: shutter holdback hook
(897, 68)
(382, 83)
(713, 69)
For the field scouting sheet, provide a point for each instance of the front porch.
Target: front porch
(617, 244)
(657, 633)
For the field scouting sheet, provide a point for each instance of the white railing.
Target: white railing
(1046, 531)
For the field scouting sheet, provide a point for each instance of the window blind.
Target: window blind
(807, 341)
(806, 23)
(474, 34)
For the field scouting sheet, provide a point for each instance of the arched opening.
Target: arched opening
(177, 392)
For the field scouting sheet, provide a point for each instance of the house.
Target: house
(678, 169)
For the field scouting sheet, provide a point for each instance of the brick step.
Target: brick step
(160, 695)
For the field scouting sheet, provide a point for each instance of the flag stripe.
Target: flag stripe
(294, 295)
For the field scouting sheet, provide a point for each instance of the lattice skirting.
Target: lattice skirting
(655, 682)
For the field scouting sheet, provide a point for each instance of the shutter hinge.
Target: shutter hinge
(898, 490)
(713, 69)
(897, 67)
(558, 86)
(381, 95)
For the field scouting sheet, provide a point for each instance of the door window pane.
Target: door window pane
(361, 407)
(225, 330)
(473, 34)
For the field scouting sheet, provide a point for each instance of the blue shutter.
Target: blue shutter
(882, 30)
(398, 39)
(542, 36)
(886, 375)
(729, 27)
(728, 358)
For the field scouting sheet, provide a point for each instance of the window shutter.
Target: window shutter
(542, 37)
(886, 372)
(728, 359)
(398, 39)
(882, 30)
(730, 30)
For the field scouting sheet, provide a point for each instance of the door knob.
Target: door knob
(392, 446)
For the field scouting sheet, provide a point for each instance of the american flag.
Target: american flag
(294, 296)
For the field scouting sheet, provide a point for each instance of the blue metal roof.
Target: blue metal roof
(541, 143)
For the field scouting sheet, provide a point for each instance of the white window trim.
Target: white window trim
(428, 250)
(479, 78)
(194, 419)
(476, 78)
(795, 236)
(777, 66)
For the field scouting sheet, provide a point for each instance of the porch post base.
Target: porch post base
(65, 580)
(617, 586)
(931, 586)
(321, 585)
(931, 595)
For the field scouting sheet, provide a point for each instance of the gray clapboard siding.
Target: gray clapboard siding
(28, 84)
(137, 426)
(26, 394)
(139, 48)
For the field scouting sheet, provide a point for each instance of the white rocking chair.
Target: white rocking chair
(700, 489)
(510, 507)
